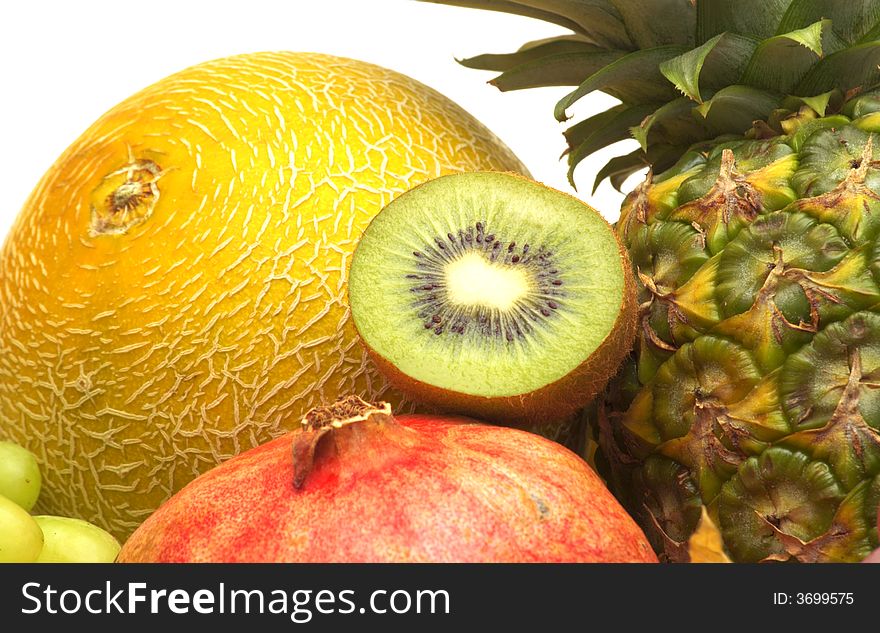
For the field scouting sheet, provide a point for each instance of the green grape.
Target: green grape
(74, 541)
(19, 475)
(20, 537)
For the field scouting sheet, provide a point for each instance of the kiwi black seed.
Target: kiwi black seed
(493, 295)
(480, 321)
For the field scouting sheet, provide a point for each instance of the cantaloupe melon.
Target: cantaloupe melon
(173, 291)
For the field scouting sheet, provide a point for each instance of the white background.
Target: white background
(65, 63)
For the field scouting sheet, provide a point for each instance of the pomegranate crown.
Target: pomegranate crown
(344, 411)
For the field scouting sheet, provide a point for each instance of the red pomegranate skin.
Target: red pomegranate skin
(415, 488)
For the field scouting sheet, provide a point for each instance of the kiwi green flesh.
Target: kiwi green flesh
(486, 284)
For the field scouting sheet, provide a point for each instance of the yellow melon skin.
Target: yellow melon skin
(173, 291)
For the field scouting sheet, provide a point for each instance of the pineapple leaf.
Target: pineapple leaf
(514, 8)
(662, 156)
(862, 105)
(684, 71)
(780, 62)
(595, 19)
(753, 18)
(568, 69)
(745, 67)
(818, 103)
(724, 57)
(809, 37)
(733, 109)
(662, 23)
(873, 34)
(672, 122)
(598, 19)
(618, 169)
(634, 79)
(615, 128)
(855, 67)
(530, 52)
(578, 133)
(850, 19)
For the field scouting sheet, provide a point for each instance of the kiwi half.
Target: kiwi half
(492, 295)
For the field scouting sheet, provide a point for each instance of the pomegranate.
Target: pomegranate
(355, 484)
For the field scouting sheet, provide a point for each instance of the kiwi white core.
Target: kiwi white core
(471, 280)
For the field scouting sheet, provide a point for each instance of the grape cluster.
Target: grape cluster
(41, 539)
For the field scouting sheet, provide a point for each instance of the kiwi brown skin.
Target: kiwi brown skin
(551, 403)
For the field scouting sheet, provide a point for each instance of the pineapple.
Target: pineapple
(753, 396)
